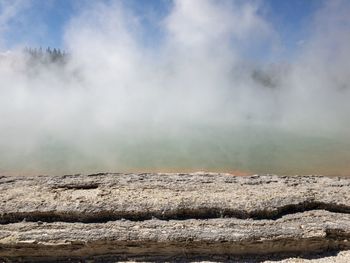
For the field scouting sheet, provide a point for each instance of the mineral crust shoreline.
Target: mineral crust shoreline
(173, 217)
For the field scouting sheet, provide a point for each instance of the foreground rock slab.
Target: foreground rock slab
(217, 217)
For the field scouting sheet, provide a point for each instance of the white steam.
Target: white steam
(195, 98)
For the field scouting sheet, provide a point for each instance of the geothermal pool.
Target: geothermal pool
(243, 150)
(121, 87)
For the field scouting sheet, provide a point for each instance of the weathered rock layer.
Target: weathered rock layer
(172, 216)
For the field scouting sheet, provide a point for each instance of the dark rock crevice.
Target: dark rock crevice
(176, 214)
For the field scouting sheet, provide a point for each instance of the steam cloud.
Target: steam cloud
(183, 101)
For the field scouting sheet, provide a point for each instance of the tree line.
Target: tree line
(48, 55)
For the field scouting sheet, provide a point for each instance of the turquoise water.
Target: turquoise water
(205, 148)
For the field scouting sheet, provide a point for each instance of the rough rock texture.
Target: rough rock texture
(217, 217)
(341, 257)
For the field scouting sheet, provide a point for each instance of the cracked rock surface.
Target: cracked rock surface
(167, 217)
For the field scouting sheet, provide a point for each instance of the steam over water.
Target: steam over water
(213, 90)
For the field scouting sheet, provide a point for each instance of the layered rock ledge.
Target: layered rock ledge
(200, 216)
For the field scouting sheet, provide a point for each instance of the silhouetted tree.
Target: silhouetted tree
(49, 56)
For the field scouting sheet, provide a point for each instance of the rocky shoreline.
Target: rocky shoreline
(174, 217)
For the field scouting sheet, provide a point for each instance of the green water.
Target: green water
(229, 149)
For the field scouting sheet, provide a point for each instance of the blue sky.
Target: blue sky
(42, 22)
(291, 18)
